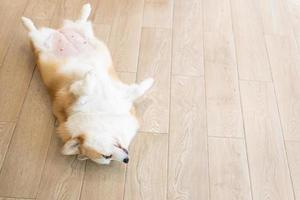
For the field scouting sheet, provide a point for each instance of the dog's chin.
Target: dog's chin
(102, 161)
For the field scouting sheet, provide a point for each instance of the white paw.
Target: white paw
(85, 11)
(146, 85)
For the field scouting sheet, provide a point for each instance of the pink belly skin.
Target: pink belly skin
(68, 42)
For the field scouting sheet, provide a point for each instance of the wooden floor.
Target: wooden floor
(222, 121)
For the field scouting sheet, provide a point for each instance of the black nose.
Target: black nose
(126, 160)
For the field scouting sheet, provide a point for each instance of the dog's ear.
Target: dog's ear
(71, 147)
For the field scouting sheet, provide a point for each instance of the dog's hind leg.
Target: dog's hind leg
(81, 24)
(85, 12)
(29, 24)
(37, 36)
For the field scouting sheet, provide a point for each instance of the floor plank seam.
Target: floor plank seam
(170, 100)
(242, 110)
(255, 81)
(83, 178)
(293, 28)
(9, 121)
(226, 137)
(125, 181)
(45, 160)
(156, 27)
(154, 133)
(187, 76)
(26, 94)
(15, 198)
(4, 157)
(136, 80)
(293, 141)
(205, 94)
(280, 121)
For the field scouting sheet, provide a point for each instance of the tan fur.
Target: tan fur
(113, 74)
(63, 133)
(133, 111)
(62, 101)
(57, 85)
(89, 152)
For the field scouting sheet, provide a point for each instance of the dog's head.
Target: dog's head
(99, 138)
(100, 149)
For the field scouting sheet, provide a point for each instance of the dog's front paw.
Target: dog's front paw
(146, 85)
(137, 90)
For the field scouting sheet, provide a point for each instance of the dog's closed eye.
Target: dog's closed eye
(123, 149)
(107, 157)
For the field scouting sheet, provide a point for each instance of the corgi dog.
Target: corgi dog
(94, 109)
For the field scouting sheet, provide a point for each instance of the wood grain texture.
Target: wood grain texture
(155, 62)
(228, 169)
(127, 77)
(6, 198)
(158, 14)
(62, 175)
(40, 9)
(125, 35)
(6, 132)
(293, 11)
(20, 70)
(102, 31)
(104, 181)
(252, 57)
(274, 17)
(15, 75)
(267, 158)
(188, 161)
(10, 14)
(245, 17)
(224, 117)
(22, 168)
(217, 16)
(298, 41)
(187, 46)
(219, 48)
(285, 62)
(147, 170)
(293, 149)
(106, 11)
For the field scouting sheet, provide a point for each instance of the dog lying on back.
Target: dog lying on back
(94, 108)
